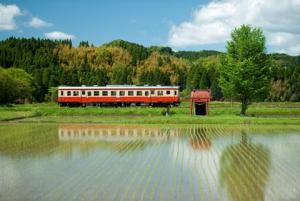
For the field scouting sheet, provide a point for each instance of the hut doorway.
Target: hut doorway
(200, 108)
(199, 100)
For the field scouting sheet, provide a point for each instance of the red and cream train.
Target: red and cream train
(122, 95)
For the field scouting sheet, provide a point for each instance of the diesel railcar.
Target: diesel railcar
(120, 95)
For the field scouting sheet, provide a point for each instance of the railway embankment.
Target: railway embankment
(220, 113)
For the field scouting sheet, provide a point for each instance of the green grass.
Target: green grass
(219, 113)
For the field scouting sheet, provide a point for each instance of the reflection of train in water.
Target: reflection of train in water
(121, 95)
(78, 132)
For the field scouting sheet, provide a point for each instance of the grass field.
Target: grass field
(219, 113)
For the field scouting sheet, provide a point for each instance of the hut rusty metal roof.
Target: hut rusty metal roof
(200, 96)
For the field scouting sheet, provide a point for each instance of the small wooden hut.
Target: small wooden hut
(199, 99)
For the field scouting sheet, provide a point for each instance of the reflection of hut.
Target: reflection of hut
(199, 99)
(200, 140)
(199, 144)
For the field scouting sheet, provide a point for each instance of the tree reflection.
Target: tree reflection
(244, 170)
(27, 139)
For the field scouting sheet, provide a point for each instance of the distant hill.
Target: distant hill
(54, 63)
(194, 55)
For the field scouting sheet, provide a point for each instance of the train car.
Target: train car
(121, 95)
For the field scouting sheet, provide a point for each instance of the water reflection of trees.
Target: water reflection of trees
(244, 170)
(199, 139)
(27, 139)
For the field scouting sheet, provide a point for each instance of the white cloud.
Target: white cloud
(56, 35)
(37, 23)
(7, 16)
(213, 23)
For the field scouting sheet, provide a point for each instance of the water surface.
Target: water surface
(107, 162)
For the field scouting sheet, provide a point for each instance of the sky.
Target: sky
(182, 25)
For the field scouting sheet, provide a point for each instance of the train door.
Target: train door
(83, 96)
(151, 97)
(147, 96)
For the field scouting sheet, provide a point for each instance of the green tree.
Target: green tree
(15, 85)
(24, 83)
(121, 74)
(244, 73)
(7, 87)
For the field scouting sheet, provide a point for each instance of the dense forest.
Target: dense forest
(35, 66)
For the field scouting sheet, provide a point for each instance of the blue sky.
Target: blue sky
(182, 25)
(145, 22)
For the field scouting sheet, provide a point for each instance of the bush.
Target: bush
(164, 112)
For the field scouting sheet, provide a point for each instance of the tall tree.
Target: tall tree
(244, 73)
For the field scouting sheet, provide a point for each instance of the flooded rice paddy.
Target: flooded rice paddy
(106, 162)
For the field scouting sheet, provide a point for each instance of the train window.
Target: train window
(139, 93)
(122, 93)
(82, 92)
(130, 93)
(68, 93)
(96, 93)
(146, 93)
(152, 92)
(160, 93)
(175, 92)
(113, 93)
(75, 93)
(168, 92)
(89, 93)
(61, 93)
(104, 93)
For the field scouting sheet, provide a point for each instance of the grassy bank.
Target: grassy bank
(219, 113)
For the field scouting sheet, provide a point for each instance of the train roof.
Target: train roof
(119, 87)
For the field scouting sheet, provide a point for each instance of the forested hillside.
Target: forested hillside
(54, 63)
